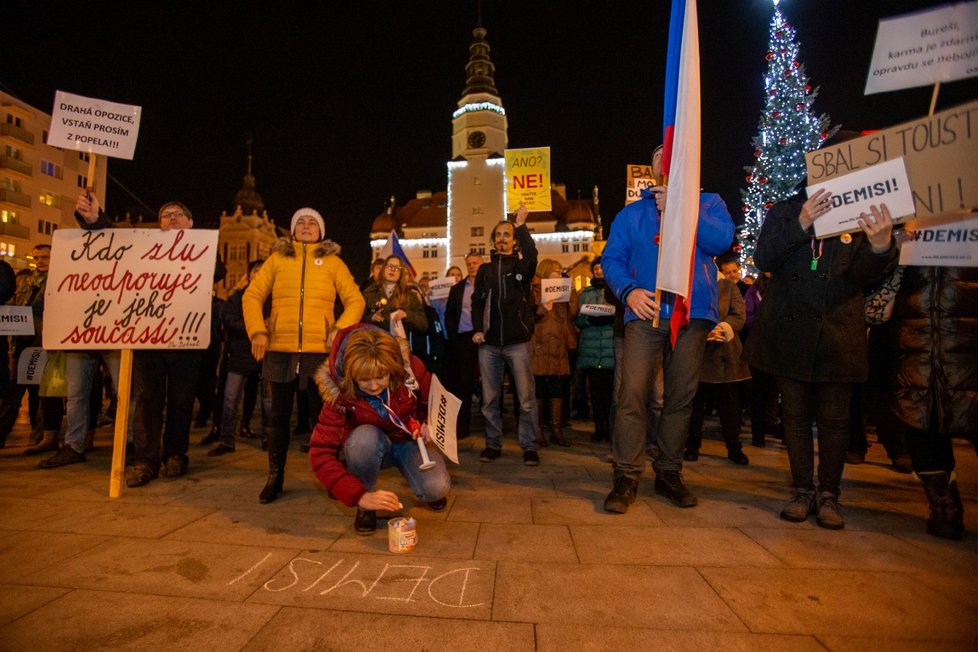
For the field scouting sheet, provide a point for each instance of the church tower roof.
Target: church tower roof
(248, 198)
(480, 68)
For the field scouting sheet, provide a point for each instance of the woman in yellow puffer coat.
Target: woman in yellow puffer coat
(303, 276)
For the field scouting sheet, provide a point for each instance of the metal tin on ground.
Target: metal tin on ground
(402, 534)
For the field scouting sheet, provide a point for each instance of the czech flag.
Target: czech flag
(680, 161)
(393, 248)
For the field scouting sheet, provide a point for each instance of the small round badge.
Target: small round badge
(846, 238)
(319, 261)
(519, 277)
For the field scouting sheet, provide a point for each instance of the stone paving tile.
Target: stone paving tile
(503, 542)
(152, 622)
(317, 629)
(856, 644)
(299, 497)
(719, 508)
(610, 596)
(841, 603)
(20, 555)
(436, 538)
(17, 601)
(173, 568)
(512, 508)
(584, 511)
(846, 549)
(119, 518)
(386, 584)
(658, 546)
(556, 638)
(265, 528)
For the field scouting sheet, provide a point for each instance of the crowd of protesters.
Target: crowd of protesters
(790, 349)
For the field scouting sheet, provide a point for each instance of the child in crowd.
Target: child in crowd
(371, 416)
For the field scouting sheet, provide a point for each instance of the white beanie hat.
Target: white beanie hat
(309, 212)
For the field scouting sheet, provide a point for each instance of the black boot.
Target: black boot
(946, 512)
(670, 484)
(278, 449)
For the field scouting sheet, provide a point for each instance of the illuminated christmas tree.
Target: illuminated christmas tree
(788, 128)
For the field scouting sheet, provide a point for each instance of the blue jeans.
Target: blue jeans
(492, 361)
(647, 349)
(231, 409)
(368, 449)
(654, 407)
(80, 369)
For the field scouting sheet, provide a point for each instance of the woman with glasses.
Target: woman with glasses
(394, 298)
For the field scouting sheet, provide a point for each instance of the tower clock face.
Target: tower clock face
(477, 139)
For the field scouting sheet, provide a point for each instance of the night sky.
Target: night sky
(349, 104)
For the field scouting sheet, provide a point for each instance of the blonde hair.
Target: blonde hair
(370, 353)
(548, 266)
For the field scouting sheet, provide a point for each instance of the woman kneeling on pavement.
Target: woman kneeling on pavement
(370, 414)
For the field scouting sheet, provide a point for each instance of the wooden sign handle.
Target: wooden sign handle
(121, 424)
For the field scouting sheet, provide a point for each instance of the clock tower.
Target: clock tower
(476, 188)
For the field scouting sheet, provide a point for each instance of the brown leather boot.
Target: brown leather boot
(48, 443)
(89, 441)
(556, 415)
(541, 424)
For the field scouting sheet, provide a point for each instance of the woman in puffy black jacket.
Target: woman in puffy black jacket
(925, 384)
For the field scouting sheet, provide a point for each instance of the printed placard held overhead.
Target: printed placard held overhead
(96, 126)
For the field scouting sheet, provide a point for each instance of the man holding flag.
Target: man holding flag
(677, 282)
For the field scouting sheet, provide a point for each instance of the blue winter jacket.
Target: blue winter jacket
(631, 256)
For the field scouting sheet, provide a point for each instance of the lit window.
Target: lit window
(50, 199)
(51, 169)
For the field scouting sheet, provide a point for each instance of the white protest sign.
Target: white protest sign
(439, 289)
(443, 409)
(557, 290)
(598, 310)
(926, 47)
(129, 289)
(96, 126)
(16, 320)
(853, 193)
(945, 244)
(30, 366)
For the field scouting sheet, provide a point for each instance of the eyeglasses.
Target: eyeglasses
(393, 268)
(172, 215)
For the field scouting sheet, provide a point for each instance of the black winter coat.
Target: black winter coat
(811, 326)
(503, 294)
(925, 358)
(237, 346)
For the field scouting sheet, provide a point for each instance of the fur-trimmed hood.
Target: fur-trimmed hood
(330, 373)
(287, 246)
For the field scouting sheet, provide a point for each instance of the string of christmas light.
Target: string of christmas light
(787, 129)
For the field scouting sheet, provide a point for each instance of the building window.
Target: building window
(478, 231)
(46, 228)
(7, 249)
(8, 217)
(82, 181)
(13, 152)
(564, 248)
(44, 135)
(10, 184)
(430, 252)
(577, 247)
(478, 249)
(237, 251)
(51, 169)
(14, 120)
(49, 199)
(84, 156)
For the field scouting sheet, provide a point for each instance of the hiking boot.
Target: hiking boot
(212, 437)
(140, 474)
(67, 455)
(530, 458)
(490, 454)
(622, 495)
(670, 484)
(438, 505)
(365, 522)
(801, 504)
(175, 466)
(829, 514)
(738, 457)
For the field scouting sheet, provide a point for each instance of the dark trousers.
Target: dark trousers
(727, 396)
(601, 383)
(283, 395)
(827, 404)
(10, 406)
(163, 381)
(465, 366)
(763, 404)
